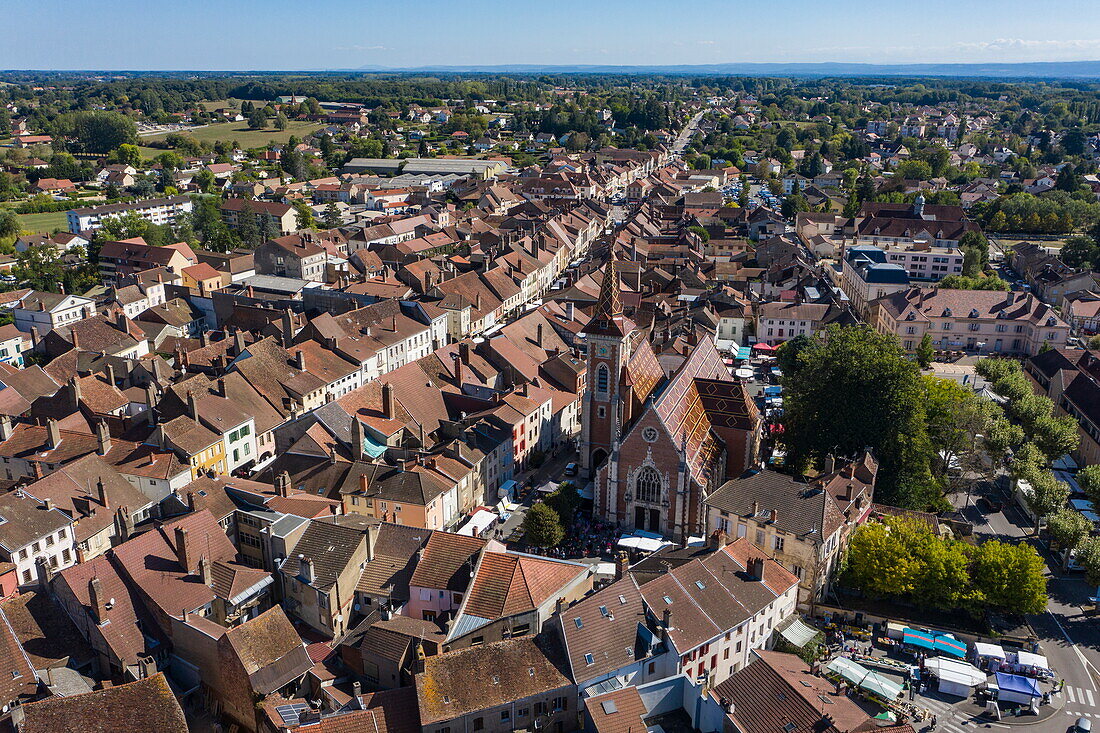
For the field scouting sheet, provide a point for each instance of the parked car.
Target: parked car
(571, 469)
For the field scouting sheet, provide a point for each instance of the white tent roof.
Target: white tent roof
(989, 650)
(479, 522)
(644, 544)
(1031, 660)
(954, 670)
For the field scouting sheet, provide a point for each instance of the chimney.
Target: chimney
(756, 568)
(53, 433)
(569, 310)
(205, 573)
(103, 438)
(306, 569)
(98, 601)
(120, 322)
(666, 618)
(125, 522)
(238, 342)
(773, 516)
(282, 483)
(300, 360)
(183, 551)
(622, 565)
(464, 352)
(6, 428)
(357, 438)
(387, 400)
(538, 336)
(74, 390)
(559, 606)
(34, 336)
(221, 386)
(755, 508)
(47, 504)
(477, 302)
(718, 540)
(204, 339)
(192, 406)
(151, 401)
(458, 369)
(288, 328)
(101, 493)
(111, 374)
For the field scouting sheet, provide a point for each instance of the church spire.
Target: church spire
(608, 318)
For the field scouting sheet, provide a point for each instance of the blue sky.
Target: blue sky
(323, 34)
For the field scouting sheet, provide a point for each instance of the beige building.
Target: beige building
(975, 321)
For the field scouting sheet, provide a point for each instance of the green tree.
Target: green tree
(975, 249)
(542, 526)
(257, 119)
(1088, 478)
(126, 153)
(248, 228)
(701, 232)
(125, 226)
(331, 218)
(96, 131)
(304, 215)
(852, 388)
(1080, 252)
(1088, 557)
(280, 121)
(9, 223)
(1010, 577)
(1068, 527)
(925, 351)
(998, 222)
(565, 501)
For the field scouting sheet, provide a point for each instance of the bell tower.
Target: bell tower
(608, 339)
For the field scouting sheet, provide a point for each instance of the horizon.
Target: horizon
(232, 37)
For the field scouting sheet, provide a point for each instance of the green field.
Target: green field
(239, 131)
(45, 223)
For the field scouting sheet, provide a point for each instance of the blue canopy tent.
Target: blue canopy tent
(1017, 688)
(773, 389)
(923, 639)
(744, 352)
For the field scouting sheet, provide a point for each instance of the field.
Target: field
(239, 131)
(46, 222)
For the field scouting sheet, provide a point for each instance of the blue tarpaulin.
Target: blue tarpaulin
(774, 389)
(922, 639)
(373, 448)
(744, 352)
(951, 645)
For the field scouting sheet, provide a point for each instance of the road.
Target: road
(685, 135)
(1068, 636)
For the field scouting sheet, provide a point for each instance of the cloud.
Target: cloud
(706, 43)
(1021, 44)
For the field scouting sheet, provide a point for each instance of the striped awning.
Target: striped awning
(923, 639)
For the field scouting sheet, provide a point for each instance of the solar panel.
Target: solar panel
(290, 713)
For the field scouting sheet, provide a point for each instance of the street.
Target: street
(1068, 636)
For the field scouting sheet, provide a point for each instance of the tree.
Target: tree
(975, 249)
(1010, 577)
(925, 351)
(126, 153)
(248, 228)
(852, 388)
(701, 232)
(257, 119)
(565, 501)
(1088, 557)
(1088, 478)
(280, 121)
(205, 180)
(126, 225)
(1068, 527)
(998, 222)
(96, 131)
(1080, 252)
(331, 218)
(9, 223)
(542, 526)
(792, 205)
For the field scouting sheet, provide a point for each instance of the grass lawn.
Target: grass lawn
(239, 131)
(46, 222)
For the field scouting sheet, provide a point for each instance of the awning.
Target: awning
(372, 447)
(950, 645)
(743, 373)
(1018, 684)
(865, 679)
(988, 650)
(956, 671)
(1027, 659)
(763, 347)
(773, 389)
(922, 639)
(799, 633)
(745, 352)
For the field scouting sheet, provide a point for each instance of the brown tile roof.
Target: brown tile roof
(618, 711)
(391, 566)
(443, 559)
(135, 707)
(45, 631)
(124, 633)
(507, 584)
(611, 638)
(17, 676)
(330, 546)
(482, 677)
(389, 711)
(269, 649)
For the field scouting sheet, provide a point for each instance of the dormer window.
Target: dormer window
(974, 313)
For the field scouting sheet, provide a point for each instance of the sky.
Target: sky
(229, 35)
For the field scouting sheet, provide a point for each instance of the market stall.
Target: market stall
(1028, 664)
(1017, 688)
(948, 644)
(868, 681)
(988, 656)
(955, 676)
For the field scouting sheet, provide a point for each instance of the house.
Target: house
(40, 311)
(1071, 379)
(293, 255)
(54, 185)
(500, 687)
(37, 536)
(13, 343)
(320, 574)
(976, 321)
(135, 707)
(119, 260)
(803, 525)
(866, 275)
(270, 215)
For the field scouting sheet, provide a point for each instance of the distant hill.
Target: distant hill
(1030, 70)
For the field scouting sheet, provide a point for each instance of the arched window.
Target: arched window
(647, 487)
(603, 378)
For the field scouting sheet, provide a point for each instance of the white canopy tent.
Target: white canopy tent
(956, 677)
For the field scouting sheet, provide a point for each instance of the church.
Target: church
(654, 445)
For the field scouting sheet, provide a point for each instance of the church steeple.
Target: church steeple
(608, 318)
